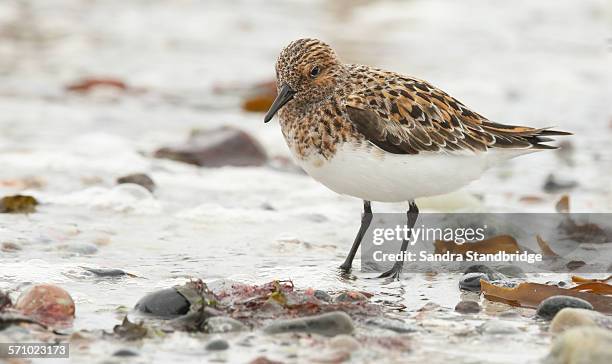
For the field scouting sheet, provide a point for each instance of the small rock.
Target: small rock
(322, 295)
(581, 345)
(139, 179)
(344, 343)
(548, 308)
(18, 204)
(327, 324)
(393, 325)
(166, 302)
(569, 317)
(225, 146)
(467, 307)
(192, 296)
(222, 324)
(491, 273)
(511, 271)
(553, 185)
(575, 264)
(125, 352)
(8, 247)
(350, 297)
(471, 281)
(47, 303)
(103, 272)
(217, 345)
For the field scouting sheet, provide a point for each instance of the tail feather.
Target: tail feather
(521, 137)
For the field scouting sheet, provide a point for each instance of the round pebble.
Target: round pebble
(125, 352)
(471, 281)
(467, 307)
(550, 306)
(217, 345)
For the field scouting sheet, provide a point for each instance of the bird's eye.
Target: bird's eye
(314, 72)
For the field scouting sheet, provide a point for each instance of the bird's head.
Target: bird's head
(307, 72)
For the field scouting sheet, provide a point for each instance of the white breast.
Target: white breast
(371, 174)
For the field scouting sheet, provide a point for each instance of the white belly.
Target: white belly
(374, 175)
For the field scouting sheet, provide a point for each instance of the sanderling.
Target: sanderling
(382, 136)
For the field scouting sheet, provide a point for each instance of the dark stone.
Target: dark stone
(101, 272)
(467, 307)
(217, 345)
(125, 352)
(550, 306)
(575, 264)
(471, 281)
(225, 146)
(553, 185)
(139, 179)
(327, 324)
(18, 204)
(492, 274)
(167, 302)
(322, 295)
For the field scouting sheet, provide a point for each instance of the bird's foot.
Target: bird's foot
(345, 268)
(393, 273)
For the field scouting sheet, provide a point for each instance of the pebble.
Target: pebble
(47, 303)
(569, 317)
(581, 345)
(327, 324)
(222, 324)
(125, 352)
(554, 184)
(217, 345)
(471, 281)
(139, 179)
(548, 308)
(225, 146)
(467, 307)
(103, 272)
(10, 247)
(166, 302)
(344, 343)
(322, 295)
(350, 297)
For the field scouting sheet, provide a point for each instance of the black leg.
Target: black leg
(412, 215)
(366, 218)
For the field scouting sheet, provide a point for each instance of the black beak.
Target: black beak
(284, 96)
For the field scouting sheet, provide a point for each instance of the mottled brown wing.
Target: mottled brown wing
(409, 116)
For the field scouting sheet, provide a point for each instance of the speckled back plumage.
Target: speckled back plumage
(396, 113)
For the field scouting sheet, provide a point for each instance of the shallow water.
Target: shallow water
(539, 63)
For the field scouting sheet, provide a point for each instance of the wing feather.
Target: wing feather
(410, 116)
